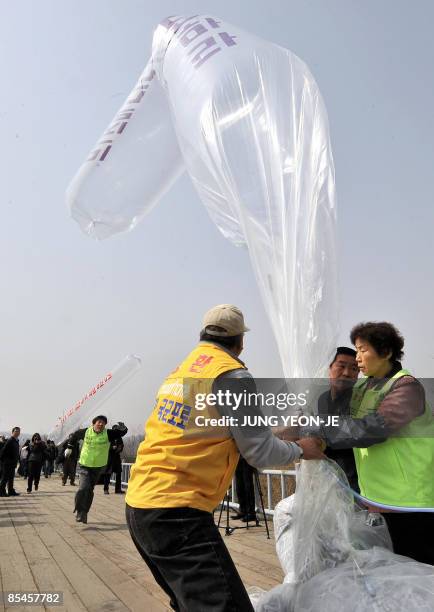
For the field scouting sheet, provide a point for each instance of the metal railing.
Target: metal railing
(270, 475)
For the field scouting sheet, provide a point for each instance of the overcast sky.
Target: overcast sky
(71, 308)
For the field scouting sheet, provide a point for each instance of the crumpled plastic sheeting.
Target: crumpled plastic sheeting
(327, 528)
(337, 557)
(337, 526)
(279, 599)
(245, 118)
(382, 582)
(375, 580)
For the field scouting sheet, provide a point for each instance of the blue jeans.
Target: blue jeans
(187, 557)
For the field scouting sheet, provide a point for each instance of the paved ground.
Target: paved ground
(96, 566)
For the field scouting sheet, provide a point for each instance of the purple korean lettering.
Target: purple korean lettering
(212, 22)
(192, 33)
(204, 46)
(228, 39)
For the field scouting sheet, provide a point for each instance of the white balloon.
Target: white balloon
(128, 170)
(80, 414)
(252, 131)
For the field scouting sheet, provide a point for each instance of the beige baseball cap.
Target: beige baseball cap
(228, 318)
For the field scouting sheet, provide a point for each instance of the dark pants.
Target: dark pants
(34, 474)
(187, 557)
(118, 483)
(245, 487)
(412, 534)
(69, 467)
(48, 467)
(8, 475)
(88, 479)
(23, 468)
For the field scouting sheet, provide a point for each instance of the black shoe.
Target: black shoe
(13, 494)
(29, 490)
(36, 487)
(106, 491)
(72, 484)
(63, 484)
(249, 518)
(238, 516)
(119, 492)
(81, 517)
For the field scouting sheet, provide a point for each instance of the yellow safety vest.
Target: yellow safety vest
(181, 464)
(399, 471)
(95, 450)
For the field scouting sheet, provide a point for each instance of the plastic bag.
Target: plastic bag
(279, 599)
(375, 579)
(338, 557)
(245, 118)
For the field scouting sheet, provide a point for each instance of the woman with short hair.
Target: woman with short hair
(396, 466)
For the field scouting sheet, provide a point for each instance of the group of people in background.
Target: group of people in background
(37, 457)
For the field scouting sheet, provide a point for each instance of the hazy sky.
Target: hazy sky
(71, 307)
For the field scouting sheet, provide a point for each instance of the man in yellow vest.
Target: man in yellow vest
(93, 459)
(186, 462)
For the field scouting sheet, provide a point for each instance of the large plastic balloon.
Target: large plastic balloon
(86, 408)
(245, 118)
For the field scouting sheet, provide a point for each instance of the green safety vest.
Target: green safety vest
(399, 471)
(95, 449)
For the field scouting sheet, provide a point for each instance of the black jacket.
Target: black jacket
(51, 452)
(10, 453)
(75, 450)
(37, 452)
(344, 457)
(114, 463)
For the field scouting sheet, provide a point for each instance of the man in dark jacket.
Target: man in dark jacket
(343, 373)
(69, 463)
(114, 465)
(93, 459)
(10, 456)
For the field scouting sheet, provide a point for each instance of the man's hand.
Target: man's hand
(121, 425)
(312, 448)
(68, 453)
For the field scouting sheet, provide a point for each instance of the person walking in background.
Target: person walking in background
(114, 465)
(48, 466)
(36, 458)
(10, 456)
(93, 459)
(24, 454)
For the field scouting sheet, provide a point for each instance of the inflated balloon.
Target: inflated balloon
(81, 413)
(245, 118)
